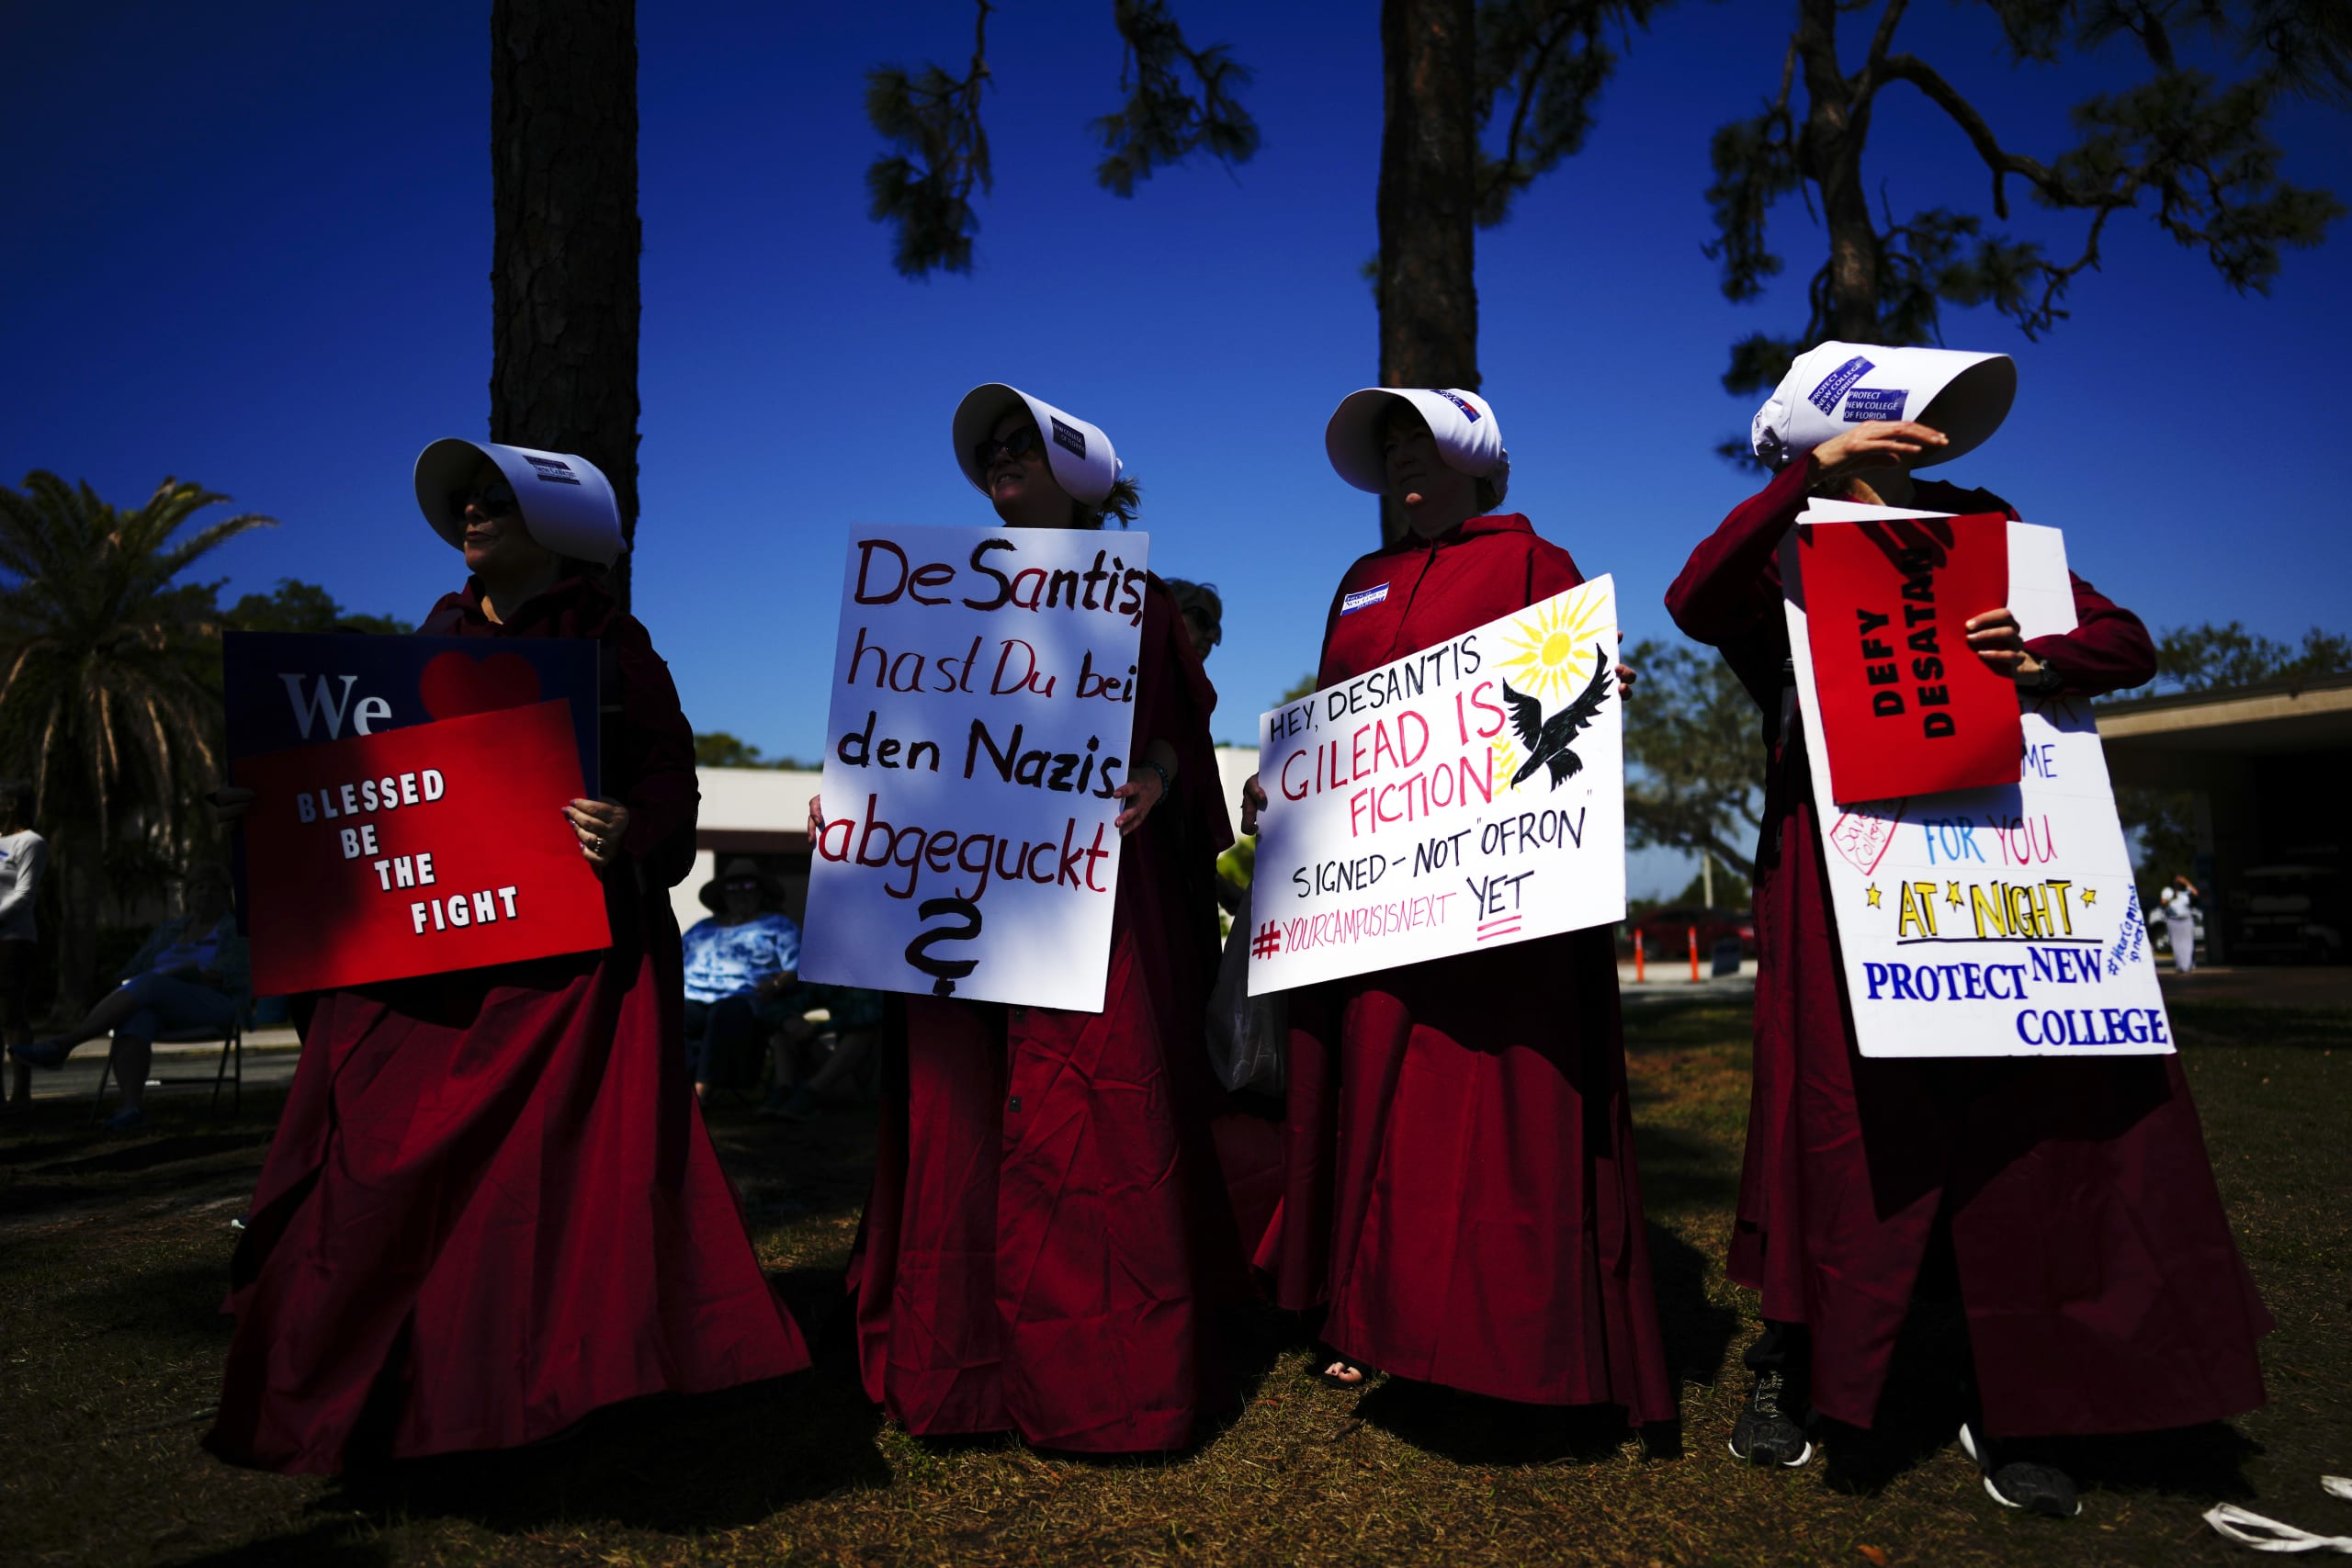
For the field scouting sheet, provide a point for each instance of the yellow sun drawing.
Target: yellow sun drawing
(1550, 655)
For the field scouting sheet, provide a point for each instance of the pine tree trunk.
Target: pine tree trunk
(564, 263)
(1836, 129)
(77, 860)
(1426, 289)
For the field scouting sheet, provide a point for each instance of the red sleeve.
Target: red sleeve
(1550, 569)
(1733, 580)
(2108, 650)
(660, 789)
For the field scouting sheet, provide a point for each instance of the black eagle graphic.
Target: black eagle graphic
(1547, 739)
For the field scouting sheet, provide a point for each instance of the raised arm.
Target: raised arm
(1732, 581)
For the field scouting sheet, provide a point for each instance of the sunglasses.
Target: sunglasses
(742, 885)
(1017, 446)
(493, 500)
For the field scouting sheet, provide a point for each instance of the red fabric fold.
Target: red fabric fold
(2102, 1288)
(491, 1205)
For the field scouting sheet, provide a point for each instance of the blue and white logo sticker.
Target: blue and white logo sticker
(1875, 403)
(1833, 386)
(1463, 403)
(1363, 598)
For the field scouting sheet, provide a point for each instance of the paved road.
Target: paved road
(270, 1055)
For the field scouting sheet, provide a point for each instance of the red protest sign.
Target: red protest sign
(1907, 709)
(417, 850)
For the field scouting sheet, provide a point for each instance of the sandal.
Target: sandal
(1365, 1373)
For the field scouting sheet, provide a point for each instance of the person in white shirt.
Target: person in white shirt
(2179, 905)
(24, 854)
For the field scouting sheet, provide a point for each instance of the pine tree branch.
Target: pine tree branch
(1161, 122)
(2002, 163)
(1881, 41)
(1529, 78)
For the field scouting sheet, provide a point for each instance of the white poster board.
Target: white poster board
(1467, 796)
(983, 699)
(1990, 922)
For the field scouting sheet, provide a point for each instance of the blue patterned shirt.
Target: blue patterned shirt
(724, 961)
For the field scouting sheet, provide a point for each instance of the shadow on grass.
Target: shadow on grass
(1697, 1331)
(124, 1158)
(180, 1302)
(1474, 1431)
(341, 1544)
(1683, 1172)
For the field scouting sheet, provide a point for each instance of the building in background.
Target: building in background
(2266, 766)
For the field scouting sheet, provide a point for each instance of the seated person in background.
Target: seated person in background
(192, 973)
(816, 1060)
(740, 963)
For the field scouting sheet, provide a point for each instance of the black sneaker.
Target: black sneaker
(2021, 1484)
(1765, 1434)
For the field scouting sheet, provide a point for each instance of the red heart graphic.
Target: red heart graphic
(454, 684)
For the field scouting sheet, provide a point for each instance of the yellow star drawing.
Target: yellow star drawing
(1872, 893)
(1952, 894)
(2090, 895)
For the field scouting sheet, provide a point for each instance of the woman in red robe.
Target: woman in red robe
(2102, 1289)
(1048, 1233)
(1461, 1193)
(491, 1206)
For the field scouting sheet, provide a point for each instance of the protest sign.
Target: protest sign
(1905, 707)
(287, 689)
(1467, 796)
(415, 851)
(982, 712)
(1999, 921)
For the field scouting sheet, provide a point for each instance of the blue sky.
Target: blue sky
(249, 247)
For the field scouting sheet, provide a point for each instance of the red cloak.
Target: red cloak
(491, 1205)
(1048, 1229)
(2102, 1288)
(1461, 1187)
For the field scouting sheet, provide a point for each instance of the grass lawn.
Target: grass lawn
(113, 1255)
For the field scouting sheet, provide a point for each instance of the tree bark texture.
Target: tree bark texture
(1837, 126)
(1427, 290)
(564, 262)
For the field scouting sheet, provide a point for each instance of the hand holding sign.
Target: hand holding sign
(1994, 637)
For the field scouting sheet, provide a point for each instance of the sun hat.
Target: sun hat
(566, 500)
(1468, 437)
(713, 894)
(1080, 455)
(1966, 396)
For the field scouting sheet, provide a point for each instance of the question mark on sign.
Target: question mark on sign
(944, 971)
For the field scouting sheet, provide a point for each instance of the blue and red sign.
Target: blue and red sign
(409, 798)
(287, 689)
